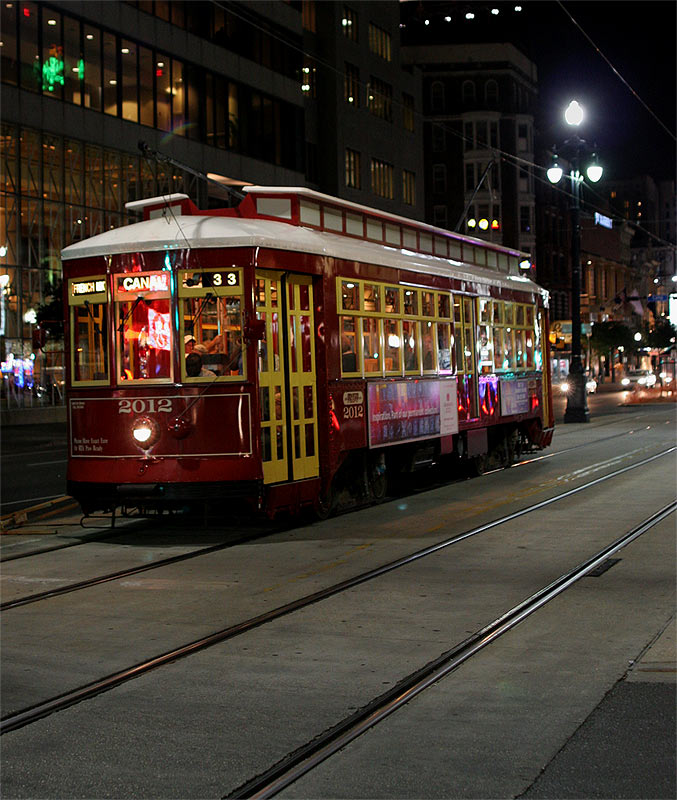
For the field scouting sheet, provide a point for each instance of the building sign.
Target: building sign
(514, 397)
(403, 411)
(605, 222)
(560, 330)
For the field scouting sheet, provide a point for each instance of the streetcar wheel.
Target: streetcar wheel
(325, 504)
(480, 464)
(378, 480)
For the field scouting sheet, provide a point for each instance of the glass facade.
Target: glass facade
(56, 191)
(59, 56)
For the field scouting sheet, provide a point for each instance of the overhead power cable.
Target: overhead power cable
(617, 73)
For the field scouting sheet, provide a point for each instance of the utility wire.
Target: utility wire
(492, 152)
(617, 73)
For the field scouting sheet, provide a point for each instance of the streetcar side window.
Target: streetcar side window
(88, 301)
(394, 330)
(212, 307)
(348, 346)
(143, 326)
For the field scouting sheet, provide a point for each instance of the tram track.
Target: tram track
(160, 563)
(325, 744)
(151, 523)
(30, 714)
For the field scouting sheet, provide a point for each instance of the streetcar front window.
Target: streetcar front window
(143, 326)
(88, 301)
(212, 309)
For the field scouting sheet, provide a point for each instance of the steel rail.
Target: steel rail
(126, 573)
(310, 755)
(26, 716)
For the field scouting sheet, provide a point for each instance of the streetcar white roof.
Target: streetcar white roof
(176, 232)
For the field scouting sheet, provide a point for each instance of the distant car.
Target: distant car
(639, 377)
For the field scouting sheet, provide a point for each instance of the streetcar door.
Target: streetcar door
(302, 379)
(287, 380)
(272, 394)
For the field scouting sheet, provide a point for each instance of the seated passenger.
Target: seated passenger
(194, 368)
(348, 356)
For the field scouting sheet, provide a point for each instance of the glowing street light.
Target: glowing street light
(577, 404)
(574, 114)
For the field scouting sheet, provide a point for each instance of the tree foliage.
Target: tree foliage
(607, 336)
(50, 313)
(660, 335)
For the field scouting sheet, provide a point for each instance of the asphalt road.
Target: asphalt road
(33, 462)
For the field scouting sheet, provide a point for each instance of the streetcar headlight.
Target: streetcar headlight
(145, 432)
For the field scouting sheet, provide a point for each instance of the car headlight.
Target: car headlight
(145, 432)
(625, 382)
(641, 381)
(650, 380)
(564, 387)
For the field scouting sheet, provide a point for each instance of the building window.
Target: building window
(439, 178)
(408, 187)
(438, 139)
(437, 96)
(468, 91)
(469, 176)
(349, 23)
(468, 136)
(440, 216)
(308, 15)
(379, 42)
(525, 219)
(522, 137)
(408, 112)
(353, 175)
(382, 178)
(351, 85)
(524, 179)
(491, 93)
(380, 99)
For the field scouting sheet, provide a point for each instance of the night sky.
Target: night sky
(638, 38)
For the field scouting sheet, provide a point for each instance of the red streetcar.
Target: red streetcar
(293, 351)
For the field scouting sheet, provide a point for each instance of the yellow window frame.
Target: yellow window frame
(223, 289)
(79, 298)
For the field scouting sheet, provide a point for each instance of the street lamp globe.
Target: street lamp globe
(574, 113)
(554, 173)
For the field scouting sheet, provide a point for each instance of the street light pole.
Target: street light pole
(577, 401)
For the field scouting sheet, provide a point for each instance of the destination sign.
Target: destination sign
(201, 280)
(150, 282)
(88, 287)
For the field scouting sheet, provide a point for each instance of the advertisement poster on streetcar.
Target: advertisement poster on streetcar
(514, 397)
(402, 411)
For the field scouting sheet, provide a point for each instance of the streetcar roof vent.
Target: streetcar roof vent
(158, 206)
